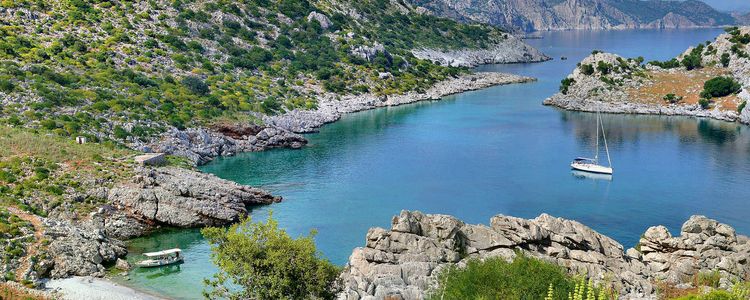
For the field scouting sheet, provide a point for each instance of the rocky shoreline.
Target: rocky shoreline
(155, 197)
(513, 50)
(404, 261)
(570, 103)
(201, 145)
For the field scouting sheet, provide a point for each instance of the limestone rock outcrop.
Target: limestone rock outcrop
(184, 198)
(201, 145)
(403, 262)
(77, 250)
(510, 50)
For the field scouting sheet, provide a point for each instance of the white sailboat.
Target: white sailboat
(592, 164)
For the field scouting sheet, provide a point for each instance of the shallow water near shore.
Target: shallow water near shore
(488, 152)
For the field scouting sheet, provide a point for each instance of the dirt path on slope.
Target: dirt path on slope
(33, 248)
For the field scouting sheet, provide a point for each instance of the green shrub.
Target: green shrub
(261, 261)
(196, 85)
(670, 64)
(672, 98)
(495, 278)
(565, 84)
(587, 69)
(691, 62)
(704, 103)
(725, 59)
(604, 67)
(720, 87)
(741, 106)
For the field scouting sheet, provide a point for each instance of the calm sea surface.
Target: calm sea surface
(488, 152)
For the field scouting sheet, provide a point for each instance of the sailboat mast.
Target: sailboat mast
(596, 155)
(604, 135)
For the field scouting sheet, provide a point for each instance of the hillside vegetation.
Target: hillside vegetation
(129, 69)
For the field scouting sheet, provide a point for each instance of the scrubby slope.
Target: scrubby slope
(709, 80)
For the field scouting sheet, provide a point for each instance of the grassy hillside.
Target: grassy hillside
(128, 69)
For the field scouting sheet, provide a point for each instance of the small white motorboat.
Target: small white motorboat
(592, 165)
(161, 258)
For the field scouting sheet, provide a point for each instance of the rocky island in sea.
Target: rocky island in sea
(610, 83)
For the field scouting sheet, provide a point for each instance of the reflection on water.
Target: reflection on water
(731, 139)
(591, 176)
(156, 272)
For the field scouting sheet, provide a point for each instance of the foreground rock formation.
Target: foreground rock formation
(403, 262)
(625, 86)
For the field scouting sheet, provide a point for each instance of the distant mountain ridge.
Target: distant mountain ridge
(541, 15)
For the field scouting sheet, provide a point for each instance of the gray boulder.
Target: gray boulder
(184, 198)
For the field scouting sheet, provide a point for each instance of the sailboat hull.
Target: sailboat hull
(591, 168)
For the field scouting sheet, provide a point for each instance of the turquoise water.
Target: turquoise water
(494, 151)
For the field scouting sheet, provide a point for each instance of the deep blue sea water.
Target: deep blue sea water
(488, 152)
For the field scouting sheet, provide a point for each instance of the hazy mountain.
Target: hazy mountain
(531, 15)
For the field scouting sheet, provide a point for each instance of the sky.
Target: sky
(729, 5)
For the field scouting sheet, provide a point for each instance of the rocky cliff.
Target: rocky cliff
(532, 15)
(610, 83)
(403, 262)
(513, 50)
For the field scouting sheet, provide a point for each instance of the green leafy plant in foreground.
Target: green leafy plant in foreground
(523, 278)
(261, 261)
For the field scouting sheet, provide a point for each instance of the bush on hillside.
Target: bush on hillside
(587, 69)
(565, 84)
(604, 67)
(719, 87)
(669, 64)
(195, 85)
(672, 98)
(725, 58)
(704, 103)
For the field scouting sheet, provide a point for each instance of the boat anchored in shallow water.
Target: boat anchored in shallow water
(161, 258)
(592, 165)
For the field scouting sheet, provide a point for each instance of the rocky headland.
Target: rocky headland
(403, 262)
(613, 84)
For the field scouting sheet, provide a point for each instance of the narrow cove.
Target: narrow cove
(477, 154)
